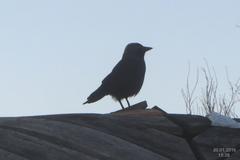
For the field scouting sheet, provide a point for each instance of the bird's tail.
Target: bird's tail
(96, 95)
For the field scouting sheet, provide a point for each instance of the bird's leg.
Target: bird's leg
(127, 102)
(121, 104)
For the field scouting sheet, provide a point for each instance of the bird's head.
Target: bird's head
(135, 50)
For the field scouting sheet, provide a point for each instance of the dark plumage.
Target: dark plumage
(126, 78)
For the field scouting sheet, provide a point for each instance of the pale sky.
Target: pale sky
(54, 53)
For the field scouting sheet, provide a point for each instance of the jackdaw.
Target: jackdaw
(126, 78)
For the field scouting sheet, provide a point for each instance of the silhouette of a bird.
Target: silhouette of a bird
(126, 78)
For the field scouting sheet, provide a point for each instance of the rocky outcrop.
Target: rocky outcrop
(136, 133)
(218, 142)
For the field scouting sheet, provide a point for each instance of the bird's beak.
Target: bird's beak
(147, 48)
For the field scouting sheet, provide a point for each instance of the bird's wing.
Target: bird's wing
(121, 74)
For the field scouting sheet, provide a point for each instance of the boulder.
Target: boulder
(235, 156)
(135, 133)
(216, 143)
(44, 139)
(192, 125)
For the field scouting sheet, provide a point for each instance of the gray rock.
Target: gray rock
(39, 139)
(237, 119)
(235, 156)
(192, 125)
(139, 106)
(133, 134)
(155, 133)
(6, 155)
(160, 110)
(216, 143)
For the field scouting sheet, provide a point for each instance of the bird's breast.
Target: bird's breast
(126, 79)
(135, 79)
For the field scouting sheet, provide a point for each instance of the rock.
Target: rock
(155, 133)
(216, 143)
(159, 109)
(237, 119)
(139, 135)
(235, 156)
(113, 121)
(132, 134)
(222, 121)
(140, 112)
(5, 155)
(192, 124)
(39, 139)
(139, 106)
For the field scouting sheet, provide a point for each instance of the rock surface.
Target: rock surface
(191, 124)
(133, 134)
(217, 142)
